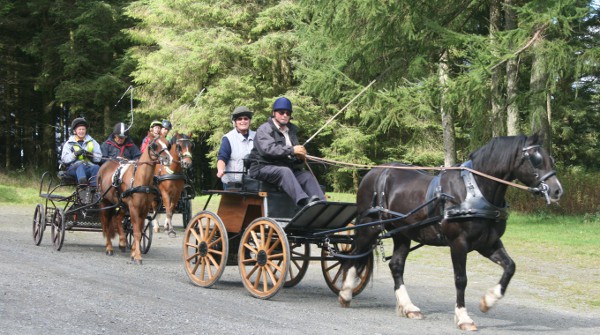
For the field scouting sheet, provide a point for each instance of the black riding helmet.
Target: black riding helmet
(120, 130)
(79, 122)
(241, 111)
(167, 124)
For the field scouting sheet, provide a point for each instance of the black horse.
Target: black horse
(457, 208)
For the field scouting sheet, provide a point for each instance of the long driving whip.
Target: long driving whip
(341, 110)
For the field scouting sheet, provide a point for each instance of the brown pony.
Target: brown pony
(126, 188)
(171, 180)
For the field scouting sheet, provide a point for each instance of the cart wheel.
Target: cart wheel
(58, 229)
(187, 212)
(205, 249)
(299, 263)
(147, 232)
(264, 258)
(39, 224)
(332, 269)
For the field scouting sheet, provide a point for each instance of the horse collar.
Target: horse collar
(475, 205)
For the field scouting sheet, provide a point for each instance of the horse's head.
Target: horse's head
(158, 150)
(535, 168)
(184, 147)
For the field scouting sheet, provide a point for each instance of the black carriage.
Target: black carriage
(259, 228)
(68, 206)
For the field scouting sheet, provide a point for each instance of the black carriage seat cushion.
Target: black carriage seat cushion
(254, 185)
(65, 179)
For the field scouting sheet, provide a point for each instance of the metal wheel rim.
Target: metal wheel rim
(39, 224)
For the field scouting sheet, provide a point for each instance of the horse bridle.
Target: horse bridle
(178, 146)
(536, 160)
(157, 155)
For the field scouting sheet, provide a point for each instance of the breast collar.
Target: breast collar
(475, 204)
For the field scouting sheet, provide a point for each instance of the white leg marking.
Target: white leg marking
(348, 285)
(463, 320)
(491, 297)
(404, 306)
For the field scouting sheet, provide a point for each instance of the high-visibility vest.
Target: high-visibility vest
(89, 148)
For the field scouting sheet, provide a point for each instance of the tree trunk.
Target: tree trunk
(446, 112)
(538, 96)
(496, 87)
(512, 70)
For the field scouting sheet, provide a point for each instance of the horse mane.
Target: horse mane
(177, 135)
(498, 154)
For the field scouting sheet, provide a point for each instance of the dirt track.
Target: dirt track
(79, 290)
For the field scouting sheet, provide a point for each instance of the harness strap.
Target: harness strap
(172, 176)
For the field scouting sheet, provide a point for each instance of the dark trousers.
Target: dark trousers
(84, 171)
(297, 184)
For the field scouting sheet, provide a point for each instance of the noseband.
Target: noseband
(158, 155)
(181, 154)
(536, 160)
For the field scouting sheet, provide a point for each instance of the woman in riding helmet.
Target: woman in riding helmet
(166, 128)
(153, 132)
(81, 154)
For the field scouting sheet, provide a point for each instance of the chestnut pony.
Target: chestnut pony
(171, 180)
(127, 188)
(471, 215)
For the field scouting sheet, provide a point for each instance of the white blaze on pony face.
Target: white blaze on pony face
(167, 159)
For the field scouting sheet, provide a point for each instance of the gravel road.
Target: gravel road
(79, 290)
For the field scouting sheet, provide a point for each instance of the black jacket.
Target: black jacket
(270, 148)
(128, 150)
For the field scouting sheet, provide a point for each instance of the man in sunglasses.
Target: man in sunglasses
(235, 145)
(278, 157)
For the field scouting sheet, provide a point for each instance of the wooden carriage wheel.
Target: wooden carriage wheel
(58, 229)
(264, 258)
(146, 240)
(300, 259)
(39, 224)
(205, 249)
(332, 268)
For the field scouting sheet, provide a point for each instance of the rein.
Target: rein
(412, 167)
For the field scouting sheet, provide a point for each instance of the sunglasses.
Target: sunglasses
(242, 118)
(282, 112)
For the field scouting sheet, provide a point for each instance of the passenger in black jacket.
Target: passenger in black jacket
(277, 156)
(119, 144)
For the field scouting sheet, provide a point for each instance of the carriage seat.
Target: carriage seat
(65, 179)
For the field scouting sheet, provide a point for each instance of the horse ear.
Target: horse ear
(537, 138)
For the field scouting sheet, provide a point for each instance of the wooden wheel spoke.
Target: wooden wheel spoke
(335, 264)
(250, 248)
(195, 255)
(213, 243)
(272, 265)
(196, 236)
(258, 277)
(257, 241)
(275, 245)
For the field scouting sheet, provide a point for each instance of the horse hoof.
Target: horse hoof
(156, 229)
(483, 307)
(136, 261)
(109, 252)
(469, 326)
(172, 233)
(414, 315)
(343, 303)
(123, 248)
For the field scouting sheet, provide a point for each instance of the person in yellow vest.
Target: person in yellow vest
(81, 154)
